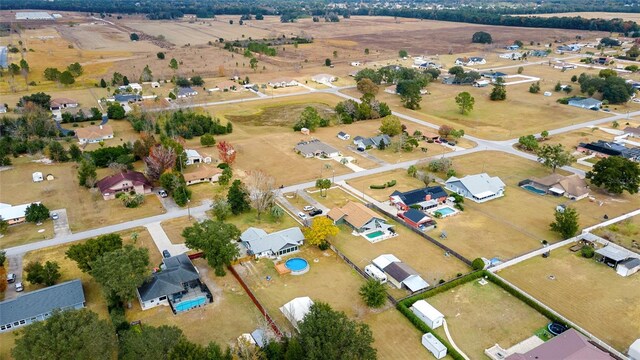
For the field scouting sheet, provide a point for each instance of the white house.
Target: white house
(135, 87)
(37, 176)
(628, 267)
(478, 187)
(14, 214)
(324, 78)
(94, 134)
(260, 244)
(471, 61)
(296, 309)
(481, 83)
(185, 92)
(427, 313)
(62, 103)
(282, 82)
(356, 63)
(316, 148)
(434, 345)
(588, 103)
(343, 136)
(155, 84)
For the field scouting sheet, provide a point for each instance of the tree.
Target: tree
(477, 264)
(160, 55)
(147, 74)
(321, 228)
(226, 176)
(261, 188)
(57, 152)
(481, 37)
(605, 73)
(554, 156)
(24, 69)
(182, 195)
(75, 69)
(3, 279)
(409, 91)
(161, 158)
(46, 274)
(544, 134)
(309, 119)
(391, 126)
(220, 209)
(86, 253)
(197, 80)
(103, 84)
(535, 87)
(329, 334)
(71, 334)
(456, 134)
(465, 102)
(566, 223)
(40, 99)
(52, 74)
(74, 152)
(403, 54)
(87, 175)
(207, 140)
(226, 152)
(217, 241)
(366, 86)
(238, 198)
(444, 130)
(323, 184)
(134, 37)
(253, 63)
(4, 227)
(327, 62)
(574, 78)
(520, 70)
(173, 64)
(66, 78)
(616, 174)
(186, 350)
(36, 213)
(587, 251)
(373, 293)
(121, 272)
(115, 111)
(148, 343)
(499, 92)
(182, 82)
(528, 143)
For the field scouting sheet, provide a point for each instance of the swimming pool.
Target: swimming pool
(190, 304)
(534, 190)
(298, 266)
(445, 211)
(375, 234)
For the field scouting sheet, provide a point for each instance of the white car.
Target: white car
(308, 208)
(55, 216)
(302, 216)
(19, 286)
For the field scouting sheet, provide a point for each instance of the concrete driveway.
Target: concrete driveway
(61, 226)
(168, 203)
(14, 265)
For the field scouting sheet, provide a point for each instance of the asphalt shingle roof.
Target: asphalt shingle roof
(416, 196)
(178, 270)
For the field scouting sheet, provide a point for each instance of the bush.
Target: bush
(477, 264)
(324, 246)
(223, 166)
(391, 183)
(587, 251)
(378, 187)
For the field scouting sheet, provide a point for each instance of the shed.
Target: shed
(611, 255)
(434, 345)
(634, 350)
(50, 177)
(427, 313)
(37, 176)
(384, 260)
(628, 267)
(296, 309)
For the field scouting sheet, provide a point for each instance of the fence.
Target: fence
(262, 310)
(427, 237)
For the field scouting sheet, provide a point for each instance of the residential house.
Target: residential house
(425, 198)
(359, 217)
(494, 75)
(38, 305)
(63, 103)
(428, 135)
(356, 63)
(605, 149)
(155, 84)
(570, 345)
(227, 86)
(125, 181)
(282, 82)
(202, 174)
(260, 244)
(538, 53)
(176, 285)
(513, 47)
(343, 136)
(324, 78)
(572, 186)
(185, 92)
(384, 260)
(516, 55)
(588, 103)
(471, 61)
(296, 309)
(478, 187)
(94, 134)
(632, 131)
(363, 143)
(14, 214)
(402, 275)
(127, 98)
(131, 87)
(416, 219)
(570, 48)
(481, 83)
(392, 89)
(316, 148)
(564, 66)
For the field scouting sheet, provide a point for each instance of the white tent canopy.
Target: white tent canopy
(296, 309)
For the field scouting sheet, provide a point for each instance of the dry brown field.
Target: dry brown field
(593, 15)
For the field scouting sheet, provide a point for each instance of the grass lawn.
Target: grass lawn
(586, 292)
(123, 133)
(296, 200)
(404, 182)
(624, 233)
(231, 314)
(26, 232)
(85, 208)
(481, 316)
(334, 197)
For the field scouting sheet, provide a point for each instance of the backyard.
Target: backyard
(503, 319)
(586, 292)
(625, 233)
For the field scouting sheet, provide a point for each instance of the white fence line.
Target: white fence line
(612, 221)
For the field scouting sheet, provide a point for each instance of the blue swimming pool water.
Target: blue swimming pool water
(296, 264)
(374, 234)
(189, 304)
(445, 211)
(534, 189)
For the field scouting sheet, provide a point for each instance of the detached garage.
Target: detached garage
(427, 313)
(628, 267)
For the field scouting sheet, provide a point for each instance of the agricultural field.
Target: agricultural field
(503, 319)
(594, 15)
(567, 282)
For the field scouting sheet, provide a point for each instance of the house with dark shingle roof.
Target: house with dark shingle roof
(570, 345)
(416, 218)
(426, 198)
(177, 285)
(125, 181)
(39, 304)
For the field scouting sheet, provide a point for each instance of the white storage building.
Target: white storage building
(296, 309)
(434, 345)
(628, 267)
(427, 313)
(37, 176)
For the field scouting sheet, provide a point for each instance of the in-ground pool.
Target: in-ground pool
(534, 189)
(445, 211)
(375, 234)
(190, 304)
(298, 266)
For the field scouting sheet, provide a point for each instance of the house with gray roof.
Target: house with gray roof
(177, 285)
(588, 103)
(363, 143)
(478, 187)
(186, 91)
(260, 244)
(39, 304)
(316, 148)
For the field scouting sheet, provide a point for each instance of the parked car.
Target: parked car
(451, 143)
(19, 286)
(54, 216)
(166, 254)
(11, 278)
(308, 208)
(315, 212)
(162, 193)
(302, 216)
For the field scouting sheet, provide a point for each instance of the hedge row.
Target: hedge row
(389, 184)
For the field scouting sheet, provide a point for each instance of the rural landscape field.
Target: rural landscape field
(258, 180)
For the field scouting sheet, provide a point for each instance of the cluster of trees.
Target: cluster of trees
(613, 88)
(616, 174)
(66, 77)
(188, 124)
(409, 82)
(47, 274)
(310, 119)
(195, 80)
(462, 77)
(350, 111)
(481, 37)
(261, 48)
